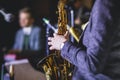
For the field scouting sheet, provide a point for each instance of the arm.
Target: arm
(15, 46)
(37, 39)
(102, 30)
(40, 39)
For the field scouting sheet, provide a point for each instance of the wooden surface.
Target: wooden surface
(26, 72)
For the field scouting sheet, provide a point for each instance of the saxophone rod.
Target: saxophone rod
(55, 30)
(72, 32)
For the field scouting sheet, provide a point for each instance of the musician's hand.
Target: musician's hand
(56, 41)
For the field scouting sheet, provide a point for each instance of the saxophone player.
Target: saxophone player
(96, 57)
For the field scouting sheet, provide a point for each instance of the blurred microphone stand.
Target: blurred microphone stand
(8, 17)
(4, 50)
(72, 22)
(71, 18)
(49, 26)
(2, 72)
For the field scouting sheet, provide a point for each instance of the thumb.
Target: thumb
(66, 34)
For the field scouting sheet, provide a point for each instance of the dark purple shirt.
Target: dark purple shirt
(91, 56)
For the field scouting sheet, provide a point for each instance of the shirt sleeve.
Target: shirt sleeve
(101, 34)
(15, 46)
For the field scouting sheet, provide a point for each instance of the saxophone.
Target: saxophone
(54, 66)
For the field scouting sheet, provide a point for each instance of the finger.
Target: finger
(52, 48)
(66, 34)
(49, 43)
(54, 34)
(49, 38)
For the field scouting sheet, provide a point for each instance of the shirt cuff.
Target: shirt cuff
(62, 45)
(64, 49)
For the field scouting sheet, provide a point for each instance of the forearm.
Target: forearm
(75, 55)
(87, 62)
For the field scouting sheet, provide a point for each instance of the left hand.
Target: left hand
(56, 41)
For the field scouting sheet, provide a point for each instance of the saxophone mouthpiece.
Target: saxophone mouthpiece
(49, 25)
(46, 20)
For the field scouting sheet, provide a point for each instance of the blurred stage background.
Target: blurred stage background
(42, 8)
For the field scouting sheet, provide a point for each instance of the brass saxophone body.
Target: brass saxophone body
(54, 66)
(63, 21)
(62, 17)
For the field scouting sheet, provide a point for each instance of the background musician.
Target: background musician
(29, 40)
(29, 36)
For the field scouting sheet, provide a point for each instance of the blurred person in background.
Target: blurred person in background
(29, 39)
(29, 36)
(82, 13)
(82, 16)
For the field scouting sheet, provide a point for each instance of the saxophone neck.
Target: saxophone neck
(62, 17)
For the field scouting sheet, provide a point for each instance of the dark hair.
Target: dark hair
(27, 10)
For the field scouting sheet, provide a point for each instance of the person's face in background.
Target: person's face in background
(82, 3)
(77, 4)
(25, 19)
(88, 3)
